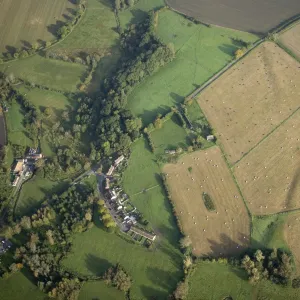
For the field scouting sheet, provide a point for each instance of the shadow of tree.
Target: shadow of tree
(97, 265)
(152, 294)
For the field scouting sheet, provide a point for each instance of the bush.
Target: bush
(209, 204)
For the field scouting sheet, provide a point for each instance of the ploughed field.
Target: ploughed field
(291, 40)
(27, 21)
(225, 230)
(252, 98)
(269, 175)
(246, 15)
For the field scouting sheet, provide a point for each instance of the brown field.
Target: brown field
(292, 237)
(252, 98)
(27, 21)
(269, 175)
(222, 232)
(291, 39)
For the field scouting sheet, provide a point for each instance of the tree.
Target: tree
(185, 242)
(8, 233)
(17, 229)
(181, 291)
(50, 238)
(239, 53)
(117, 4)
(117, 277)
(66, 289)
(130, 3)
(88, 216)
(25, 222)
(35, 46)
(48, 111)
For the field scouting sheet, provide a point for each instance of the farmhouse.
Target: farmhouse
(19, 167)
(119, 160)
(110, 171)
(143, 233)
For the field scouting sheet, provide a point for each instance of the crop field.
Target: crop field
(291, 40)
(51, 73)
(219, 281)
(252, 98)
(200, 53)
(29, 21)
(171, 136)
(269, 175)
(245, 15)
(292, 236)
(220, 232)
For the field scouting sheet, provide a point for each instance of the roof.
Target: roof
(143, 233)
(19, 166)
(110, 171)
(119, 159)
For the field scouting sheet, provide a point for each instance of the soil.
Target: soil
(291, 39)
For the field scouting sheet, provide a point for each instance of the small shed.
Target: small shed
(210, 138)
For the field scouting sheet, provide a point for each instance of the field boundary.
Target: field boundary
(267, 135)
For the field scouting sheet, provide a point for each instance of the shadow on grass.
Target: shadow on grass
(97, 265)
(152, 294)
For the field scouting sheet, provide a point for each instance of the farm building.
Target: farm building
(143, 233)
(15, 182)
(171, 152)
(107, 183)
(19, 167)
(210, 138)
(119, 160)
(110, 171)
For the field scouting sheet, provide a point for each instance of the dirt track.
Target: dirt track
(246, 15)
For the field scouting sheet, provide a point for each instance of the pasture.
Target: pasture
(245, 15)
(171, 136)
(269, 174)
(25, 22)
(200, 53)
(223, 231)
(51, 73)
(217, 281)
(291, 234)
(252, 98)
(291, 40)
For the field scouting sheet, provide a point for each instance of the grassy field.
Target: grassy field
(34, 192)
(200, 53)
(139, 11)
(52, 73)
(19, 287)
(269, 174)
(268, 232)
(154, 272)
(26, 22)
(220, 231)
(213, 281)
(266, 94)
(99, 290)
(170, 136)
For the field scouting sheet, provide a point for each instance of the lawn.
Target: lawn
(34, 192)
(138, 12)
(99, 290)
(51, 73)
(17, 133)
(267, 232)
(215, 281)
(171, 136)
(200, 53)
(154, 272)
(19, 287)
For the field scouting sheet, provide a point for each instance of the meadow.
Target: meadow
(51, 73)
(290, 40)
(232, 282)
(252, 98)
(200, 53)
(20, 287)
(222, 231)
(171, 136)
(26, 22)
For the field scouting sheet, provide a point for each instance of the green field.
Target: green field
(99, 290)
(214, 281)
(139, 11)
(267, 232)
(34, 192)
(200, 53)
(170, 136)
(55, 74)
(17, 133)
(19, 287)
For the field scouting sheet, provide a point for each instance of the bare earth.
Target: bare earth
(223, 232)
(23, 21)
(292, 237)
(291, 39)
(252, 98)
(269, 175)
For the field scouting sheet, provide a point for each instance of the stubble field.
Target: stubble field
(252, 98)
(269, 175)
(216, 233)
(26, 21)
(291, 40)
